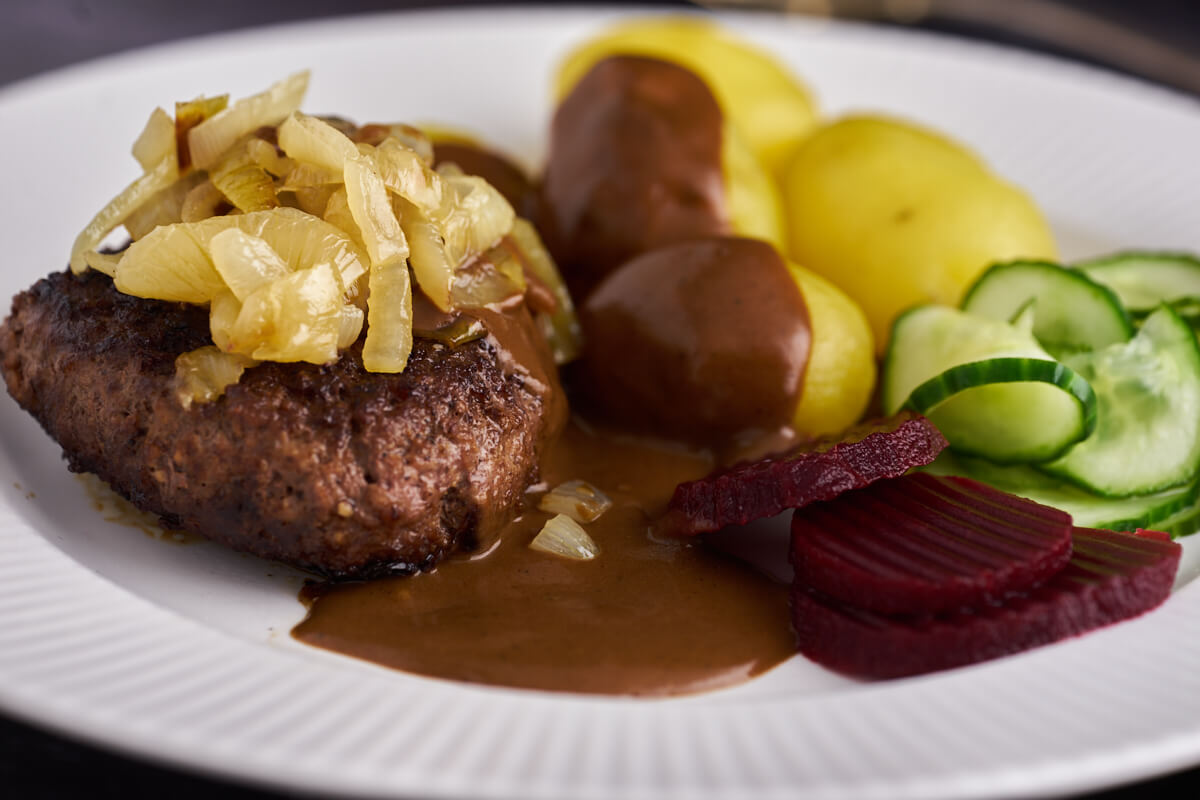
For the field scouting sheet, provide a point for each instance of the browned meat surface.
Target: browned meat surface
(332, 468)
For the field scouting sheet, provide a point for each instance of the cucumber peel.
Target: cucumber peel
(986, 384)
(1072, 312)
(1158, 511)
(1144, 280)
(1148, 432)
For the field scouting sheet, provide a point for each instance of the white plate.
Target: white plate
(182, 653)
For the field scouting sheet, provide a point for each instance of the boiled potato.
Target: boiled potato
(896, 216)
(840, 376)
(770, 107)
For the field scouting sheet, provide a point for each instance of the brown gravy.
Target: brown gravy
(719, 321)
(635, 163)
(648, 616)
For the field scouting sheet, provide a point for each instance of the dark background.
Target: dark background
(38, 35)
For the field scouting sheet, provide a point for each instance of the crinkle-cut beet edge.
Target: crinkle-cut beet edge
(1111, 577)
(885, 448)
(920, 544)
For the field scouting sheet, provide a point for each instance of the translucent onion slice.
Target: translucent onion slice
(337, 213)
(103, 262)
(222, 316)
(314, 141)
(169, 264)
(563, 536)
(267, 156)
(477, 218)
(560, 326)
(209, 140)
(294, 318)
(372, 210)
(202, 202)
(246, 263)
(494, 277)
(429, 260)
(190, 114)
(303, 175)
(315, 200)
(351, 325)
(409, 136)
(300, 239)
(202, 375)
(579, 500)
(408, 175)
(120, 207)
(173, 262)
(389, 318)
(156, 141)
(164, 208)
(248, 187)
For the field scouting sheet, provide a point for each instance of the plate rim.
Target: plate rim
(1186, 746)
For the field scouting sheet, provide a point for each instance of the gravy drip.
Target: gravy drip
(647, 616)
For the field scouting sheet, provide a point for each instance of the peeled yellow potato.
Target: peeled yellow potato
(770, 107)
(896, 215)
(840, 375)
(754, 203)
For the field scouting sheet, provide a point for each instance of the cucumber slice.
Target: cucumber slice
(1181, 523)
(1148, 433)
(1071, 311)
(1145, 280)
(1087, 510)
(987, 385)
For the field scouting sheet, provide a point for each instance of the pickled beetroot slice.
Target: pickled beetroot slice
(817, 471)
(922, 543)
(1110, 577)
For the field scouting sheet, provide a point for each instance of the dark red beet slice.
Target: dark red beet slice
(921, 543)
(817, 471)
(1110, 577)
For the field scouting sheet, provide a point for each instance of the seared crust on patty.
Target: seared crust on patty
(331, 468)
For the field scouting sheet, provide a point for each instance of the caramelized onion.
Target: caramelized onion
(103, 262)
(389, 318)
(460, 331)
(164, 208)
(209, 140)
(315, 141)
(248, 187)
(202, 202)
(372, 211)
(563, 536)
(267, 156)
(190, 114)
(246, 263)
(579, 500)
(296, 317)
(560, 326)
(430, 262)
(494, 277)
(202, 375)
(119, 209)
(156, 141)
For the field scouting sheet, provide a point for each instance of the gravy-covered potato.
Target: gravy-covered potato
(767, 104)
(641, 156)
(896, 216)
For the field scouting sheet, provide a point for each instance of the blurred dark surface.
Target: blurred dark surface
(38, 35)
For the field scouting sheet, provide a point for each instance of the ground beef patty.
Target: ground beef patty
(332, 468)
